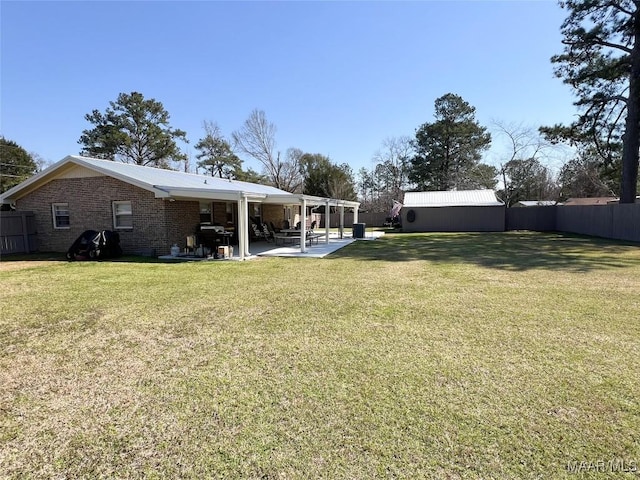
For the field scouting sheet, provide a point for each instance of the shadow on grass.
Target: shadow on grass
(515, 251)
(61, 257)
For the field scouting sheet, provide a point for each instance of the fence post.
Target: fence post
(25, 233)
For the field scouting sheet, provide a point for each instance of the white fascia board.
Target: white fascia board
(282, 199)
(196, 194)
(254, 197)
(312, 200)
(348, 203)
(185, 193)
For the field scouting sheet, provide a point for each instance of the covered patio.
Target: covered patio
(270, 249)
(243, 200)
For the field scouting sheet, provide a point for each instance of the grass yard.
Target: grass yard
(512, 355)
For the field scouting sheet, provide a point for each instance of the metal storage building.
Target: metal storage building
(453, 211)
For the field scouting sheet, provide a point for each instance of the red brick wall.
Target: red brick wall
(273, 213)
(157, 223)
(182, 219)
(219, 213)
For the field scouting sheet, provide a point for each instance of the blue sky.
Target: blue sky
(336, 78)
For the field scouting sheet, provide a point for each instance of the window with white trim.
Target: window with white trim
(122, 215)
(205, 212)
(60, 214)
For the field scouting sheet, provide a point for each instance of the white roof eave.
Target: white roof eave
(298, 198)
(242, 190)
(14, 192)
(195, 193)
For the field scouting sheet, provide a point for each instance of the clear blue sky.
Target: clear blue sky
(336, 78)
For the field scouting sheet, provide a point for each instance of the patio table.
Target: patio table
(288, 231)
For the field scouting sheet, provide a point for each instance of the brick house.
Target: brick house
(150, 208)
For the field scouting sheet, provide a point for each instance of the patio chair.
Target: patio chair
(257, 233)
(268, 235)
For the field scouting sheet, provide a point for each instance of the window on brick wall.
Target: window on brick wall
(60, 214)
(122, 215)
(205, 212)
(230, 217)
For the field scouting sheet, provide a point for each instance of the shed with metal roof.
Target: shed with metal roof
(453, 211)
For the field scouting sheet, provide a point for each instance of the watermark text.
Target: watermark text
(615, 465)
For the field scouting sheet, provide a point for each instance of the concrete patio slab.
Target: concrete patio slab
(320, 250)
(266, 249)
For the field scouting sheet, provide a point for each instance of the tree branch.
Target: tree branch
(616, 5)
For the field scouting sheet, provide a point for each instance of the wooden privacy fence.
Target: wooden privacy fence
(372, 219)
(18, 232)
(616, 221)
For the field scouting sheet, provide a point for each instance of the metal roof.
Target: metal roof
(164, 179)
(167, 183)
(453, 198)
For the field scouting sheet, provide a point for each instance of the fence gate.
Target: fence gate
(18, 232)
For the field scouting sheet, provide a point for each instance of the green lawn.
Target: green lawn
(414, 356)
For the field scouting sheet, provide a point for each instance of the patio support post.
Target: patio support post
(303, 227)
(245, 221)
(327, 221)
(341, 221)
(355, 214)
(242, 226)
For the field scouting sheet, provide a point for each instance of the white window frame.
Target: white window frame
(231, 217)
(205, 209)
(55, 215)
(117, 216)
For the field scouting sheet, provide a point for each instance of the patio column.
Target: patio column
(341, 221)
(355, 214)
(242, 226)
(327, 221)
(303, 227)
(245, 221)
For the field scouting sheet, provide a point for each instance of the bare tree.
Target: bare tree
(522, 162)
(290, 172)
(523, 141)
(256, 138)
(393, 162)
